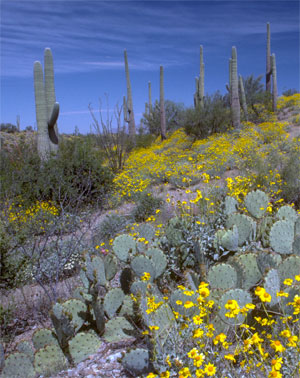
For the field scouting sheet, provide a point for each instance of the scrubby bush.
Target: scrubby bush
(214, 117)
(174, 117)
(146, 205)
(109, 228)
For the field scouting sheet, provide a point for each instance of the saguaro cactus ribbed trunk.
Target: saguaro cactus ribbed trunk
(235, 101)
(243, 97)
(130, 119)
(268, 60)
(47, 109)
(162, 106)
(274, 82)
(199, 94)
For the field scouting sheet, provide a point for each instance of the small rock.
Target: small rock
(114, 357)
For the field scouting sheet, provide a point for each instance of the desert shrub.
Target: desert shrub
(146, 205)
(174, 117)
(109, 228)
(290, 92)
(214, 117)
(76, 176)
(8, 128)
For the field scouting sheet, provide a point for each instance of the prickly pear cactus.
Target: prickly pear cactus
(43, 337)
(230, 239)
(142, 264)
(251, 272)
(230, 205)
(178, 300)
(289, 268)
(113, 301)
(264, 229)
(118, 329)
(18, 365)
(256, 203)
(272, 286)
(241, 296)
(95, 269)
(282, 237)
(123, 245)
(287, 213)
(222, 276)
(296, 245)
(126, 279)
(83, 345)
(26, 347)
(267, 260)
(245, 225)
(49, 360)
(137, 362)
(110, 267)
(158, 259)
(128, 307)
(77, 309)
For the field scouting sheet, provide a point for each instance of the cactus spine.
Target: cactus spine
(130, 118)
(47, 109)
(162, 106)
(235, 101)
(274, 82)
(268, 60)
(243, 97)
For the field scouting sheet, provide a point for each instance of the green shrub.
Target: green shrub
(214, 117)
(146, 205)
(109, 228)
(76, 176)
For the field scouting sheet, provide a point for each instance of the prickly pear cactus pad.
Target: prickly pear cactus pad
(272, 286)
(230, 205)
(77, 309)
(49, 360)
(256, 203)
(230, 239)
(43, 337)
(158, 259)
(296, 245)
(118, 329)
(83, 345)
(282, 237)
(18, 365)
(288, 309)
(128, 308)
(287, 213)
(141, 264)
(123, 245)
(242, 297)
(222, 276)
(25, 347)
(96, 270)
(110, 266)
(251, 272)
(244, 224)
(297, 226)
(113, 301)
(289, 268)
(266, 260)
(137, 362)
(180, 303)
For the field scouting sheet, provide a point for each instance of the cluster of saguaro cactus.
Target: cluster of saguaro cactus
(47, 109)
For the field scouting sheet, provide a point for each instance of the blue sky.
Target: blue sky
(88, 38)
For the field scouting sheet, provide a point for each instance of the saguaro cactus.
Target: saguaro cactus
(274, 82)
(199, 94)
(47, 109)
(235, 101)
(162, 106)
(130, 118)
(243, 97)
(268, 60)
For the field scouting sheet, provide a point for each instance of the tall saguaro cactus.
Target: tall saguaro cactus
(234, 88)
(162, 106)
(268, 60)
(199, 94)
(47, 109)
(130, 118)
(274, 82)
